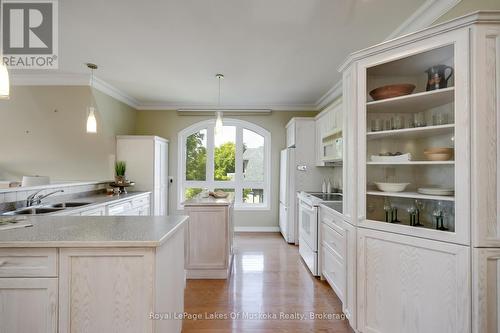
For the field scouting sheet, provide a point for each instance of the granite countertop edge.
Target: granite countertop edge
(155, 232)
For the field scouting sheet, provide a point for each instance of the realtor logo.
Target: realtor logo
(29, 34)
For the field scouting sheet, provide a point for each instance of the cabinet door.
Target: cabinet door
(412, 285)
(28, 305)
(106, 290)
(485, 141)
(207, 238)
(486, 291)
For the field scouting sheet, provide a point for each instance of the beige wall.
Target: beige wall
(43, 133)
(467, 6)
(167, 124)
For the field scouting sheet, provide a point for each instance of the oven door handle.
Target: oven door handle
(306, 206)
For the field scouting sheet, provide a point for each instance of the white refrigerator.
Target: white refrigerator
(287, 211)
(297, 173)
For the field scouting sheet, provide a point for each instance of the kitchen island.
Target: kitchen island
(209, 237)
(93, 274)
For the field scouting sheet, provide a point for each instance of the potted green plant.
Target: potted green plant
(120, 169)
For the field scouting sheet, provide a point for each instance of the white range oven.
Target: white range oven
(309, 226)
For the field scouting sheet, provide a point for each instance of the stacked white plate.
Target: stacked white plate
(388, 159)
(436, 191)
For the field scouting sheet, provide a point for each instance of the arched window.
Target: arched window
(236, 161)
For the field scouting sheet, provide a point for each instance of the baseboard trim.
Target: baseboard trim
(256, 229)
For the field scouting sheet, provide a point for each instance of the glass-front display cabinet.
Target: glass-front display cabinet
(414, 138)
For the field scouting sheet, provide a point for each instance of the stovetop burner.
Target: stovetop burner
(328, 196)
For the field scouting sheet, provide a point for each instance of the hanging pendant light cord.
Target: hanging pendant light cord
(219, 92)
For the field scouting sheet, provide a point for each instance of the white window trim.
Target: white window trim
(238, 185)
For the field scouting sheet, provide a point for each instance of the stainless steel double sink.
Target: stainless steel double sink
(45, 209)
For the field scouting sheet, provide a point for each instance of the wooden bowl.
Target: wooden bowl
(393, 90)
(439, 154)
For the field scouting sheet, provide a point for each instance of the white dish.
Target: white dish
(397, 158)
(436, 191)
(391, 187)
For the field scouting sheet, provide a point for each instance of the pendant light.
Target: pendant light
(218, 121)
(91, 119)
(4, 82)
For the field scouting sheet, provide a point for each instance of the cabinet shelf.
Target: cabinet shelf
(413, 103)
(413, 163)
(411, 195)
(413, 133)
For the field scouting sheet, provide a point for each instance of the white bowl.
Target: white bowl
(391, 187)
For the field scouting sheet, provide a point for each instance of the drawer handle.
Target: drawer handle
(2, 263)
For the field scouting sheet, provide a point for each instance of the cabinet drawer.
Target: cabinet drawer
(94, 212)
(334, 238)
(333, 271)
(28, 262)
(142, 201)
(119, 209)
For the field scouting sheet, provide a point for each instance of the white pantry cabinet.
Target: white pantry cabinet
(147, 166)
(412, 285)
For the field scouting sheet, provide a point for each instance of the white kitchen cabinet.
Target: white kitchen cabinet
(338, 259)
(116, 289)
(486, 290)
(100, 211)
(329, 128)
(209, 241)
(147, 166)
(139, 206)
(28, 305)
(417, 278)
(485, 135)
(412, 285)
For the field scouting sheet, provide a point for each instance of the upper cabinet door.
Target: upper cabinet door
(485, 143)
(428, 125)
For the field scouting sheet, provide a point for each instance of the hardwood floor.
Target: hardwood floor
(268, 278)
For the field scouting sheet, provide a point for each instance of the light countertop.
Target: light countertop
(93, 231)
(210, 201)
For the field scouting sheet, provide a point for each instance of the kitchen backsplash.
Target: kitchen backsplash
(17, 194)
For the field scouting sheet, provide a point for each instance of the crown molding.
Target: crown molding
(232, 108)
(422, 18)
(114, 92)
(66, 79)
(330, 96)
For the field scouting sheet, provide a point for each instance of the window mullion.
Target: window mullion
(238, 189)
(210, 155)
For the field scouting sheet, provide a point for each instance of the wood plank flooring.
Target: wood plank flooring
(270, 279)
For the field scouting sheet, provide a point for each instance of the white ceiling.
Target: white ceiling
(272, 52)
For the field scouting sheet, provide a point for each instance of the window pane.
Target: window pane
(224, 154)
(196, 155)
(191, 192)
(253, 156)
(253, 195)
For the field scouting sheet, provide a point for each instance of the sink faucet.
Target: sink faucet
(33, 199)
